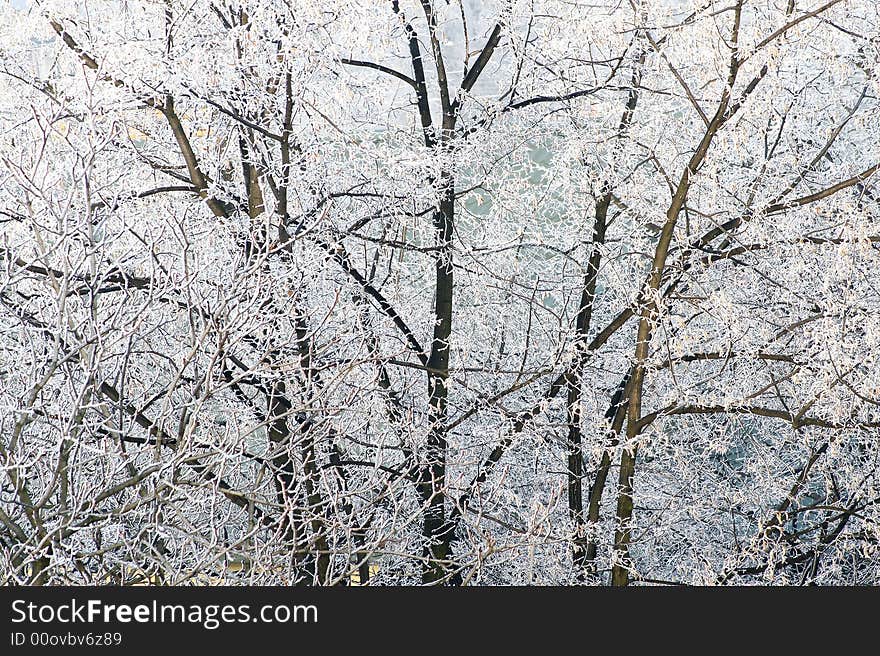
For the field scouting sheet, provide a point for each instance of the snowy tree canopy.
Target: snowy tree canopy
(384, 292)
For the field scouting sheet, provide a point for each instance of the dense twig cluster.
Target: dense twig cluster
(356, 292)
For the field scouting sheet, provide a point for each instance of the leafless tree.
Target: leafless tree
(357, 292)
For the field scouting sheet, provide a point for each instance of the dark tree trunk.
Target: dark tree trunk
(436, 531)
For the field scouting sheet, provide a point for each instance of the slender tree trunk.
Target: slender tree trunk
(436, 531)
(575, 391)
(648, 317)
(584, 553)
(616, 413)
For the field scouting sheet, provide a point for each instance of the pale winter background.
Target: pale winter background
(380, 292)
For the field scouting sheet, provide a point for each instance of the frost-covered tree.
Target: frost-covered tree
(439, 291)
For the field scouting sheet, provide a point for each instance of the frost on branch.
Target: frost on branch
(514, 292)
